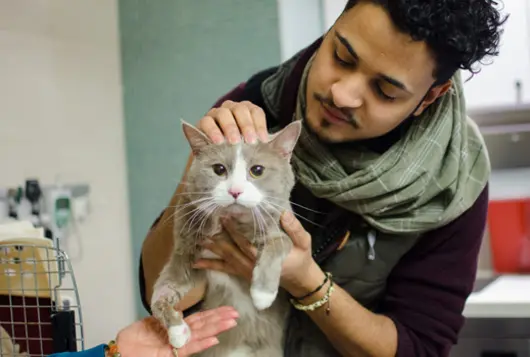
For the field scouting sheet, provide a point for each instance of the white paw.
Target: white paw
(179, 335)
(262, 299)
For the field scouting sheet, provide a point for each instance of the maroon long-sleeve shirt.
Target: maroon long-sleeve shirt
(427, 290)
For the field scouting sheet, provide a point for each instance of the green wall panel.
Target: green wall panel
(178, 57)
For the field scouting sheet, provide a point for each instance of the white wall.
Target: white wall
(61, 113)
(300, 23)
(332, 10)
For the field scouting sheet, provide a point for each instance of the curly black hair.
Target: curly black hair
(459, 33)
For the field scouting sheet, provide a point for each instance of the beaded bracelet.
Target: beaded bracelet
(111, 349)
(319, 303)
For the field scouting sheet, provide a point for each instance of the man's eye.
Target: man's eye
(340, 60)
(383, 95)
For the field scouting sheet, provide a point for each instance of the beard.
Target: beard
(348, 113)
(320, 128)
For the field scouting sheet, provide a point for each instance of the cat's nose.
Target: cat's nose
(234, 192)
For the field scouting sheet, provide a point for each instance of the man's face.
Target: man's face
(367, 77)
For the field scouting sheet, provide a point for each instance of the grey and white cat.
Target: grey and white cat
(251, 184)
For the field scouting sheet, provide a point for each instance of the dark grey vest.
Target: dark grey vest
(360, 266)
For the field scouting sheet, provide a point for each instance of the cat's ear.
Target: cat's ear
(196, 138)
(285, 140)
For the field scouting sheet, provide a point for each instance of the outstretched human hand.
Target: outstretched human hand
(147, 337)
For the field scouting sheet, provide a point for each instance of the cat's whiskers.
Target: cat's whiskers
(257, 235)
(262, 227)
(274, 205)
(191, 223)
(277, 226)
(210, 211)
(198, 211)
(193, 212)
(180, 208)
(200, 203)
(253, 224)
(295, 204)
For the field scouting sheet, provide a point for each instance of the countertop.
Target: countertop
(506, 296)
(510, 183)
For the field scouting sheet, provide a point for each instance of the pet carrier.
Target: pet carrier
(40, 313)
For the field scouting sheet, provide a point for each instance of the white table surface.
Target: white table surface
(506, 297)
(510, 183)
(509, 295)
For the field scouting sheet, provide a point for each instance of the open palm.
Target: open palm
(148, 338)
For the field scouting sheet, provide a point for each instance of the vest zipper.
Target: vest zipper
(371, 242)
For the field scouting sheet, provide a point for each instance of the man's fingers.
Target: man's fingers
(213, 264)
(239, 264)
(226, 121)
(260, 123)
(209, 126)
(295, 230)
(231, 253)
(245, 122)
(233, 120)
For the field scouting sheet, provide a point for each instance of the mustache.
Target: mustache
(329, 102)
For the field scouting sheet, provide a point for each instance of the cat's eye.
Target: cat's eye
(256, 171)
(219, 169)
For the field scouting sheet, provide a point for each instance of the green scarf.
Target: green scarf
(428, 178)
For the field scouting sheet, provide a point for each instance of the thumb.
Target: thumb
(295, 230)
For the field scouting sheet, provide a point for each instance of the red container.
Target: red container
(509, 229)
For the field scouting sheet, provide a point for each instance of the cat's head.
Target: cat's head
(241, 177)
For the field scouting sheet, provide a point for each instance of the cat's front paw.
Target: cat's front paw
(261, 298)
(179, 335)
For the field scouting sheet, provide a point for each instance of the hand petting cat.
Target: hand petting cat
(300, 273)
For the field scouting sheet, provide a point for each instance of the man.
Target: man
(389, 157)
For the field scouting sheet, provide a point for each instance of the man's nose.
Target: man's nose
(348, 92)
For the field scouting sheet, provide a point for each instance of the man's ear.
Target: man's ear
(433, 94)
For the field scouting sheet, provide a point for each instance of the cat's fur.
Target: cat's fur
(207, 197)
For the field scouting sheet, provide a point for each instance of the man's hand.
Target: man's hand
(233, 120)
(237, 257)
(300, 273)
(148, 338)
